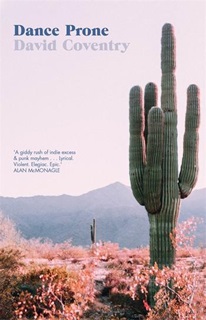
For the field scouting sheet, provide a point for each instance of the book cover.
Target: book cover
(67, 68)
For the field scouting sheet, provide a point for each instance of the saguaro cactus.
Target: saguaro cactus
(153, 155)
(93, 231)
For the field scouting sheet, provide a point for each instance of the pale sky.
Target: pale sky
(78, 100)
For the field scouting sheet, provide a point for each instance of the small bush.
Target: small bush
(105, 251)
(10, 268)
(9, 235)
(54, 293)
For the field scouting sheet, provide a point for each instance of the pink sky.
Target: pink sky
(78, 100)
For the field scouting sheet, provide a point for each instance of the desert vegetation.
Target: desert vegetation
(43, 280)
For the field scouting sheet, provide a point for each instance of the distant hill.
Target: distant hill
(118, 216)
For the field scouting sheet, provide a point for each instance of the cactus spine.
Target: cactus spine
(153, 155)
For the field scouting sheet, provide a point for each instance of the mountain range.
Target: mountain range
(119, 217)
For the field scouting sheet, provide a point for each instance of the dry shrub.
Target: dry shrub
(139, 256)
(181, 294)
(11, 267)
(46, 249)
(72, 252)
(39, 249)
(183, 237)
(58, 293)
(9, 235)
(105, 251)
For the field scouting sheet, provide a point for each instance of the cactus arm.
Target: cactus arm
(169, 106)
(137, 153)
(189, 167)
(153, 170)
(150, 100)
(168, 66)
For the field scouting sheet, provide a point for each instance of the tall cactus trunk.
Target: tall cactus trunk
(162, 225)
(153, 153)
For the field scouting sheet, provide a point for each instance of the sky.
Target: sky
(76, 99)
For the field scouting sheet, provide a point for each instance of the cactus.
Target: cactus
(93, 231)
(153, 154)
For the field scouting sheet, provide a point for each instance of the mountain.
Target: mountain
(119, 217)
